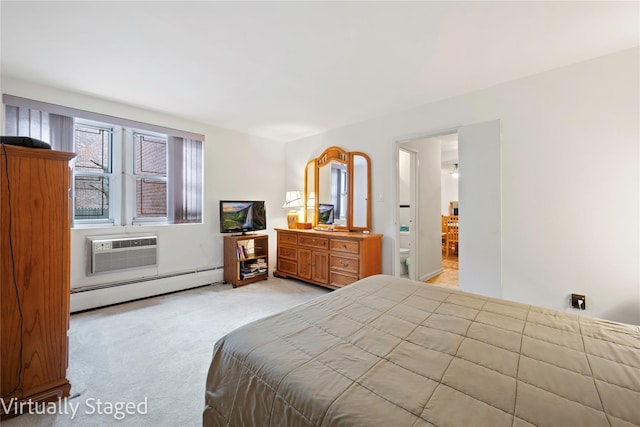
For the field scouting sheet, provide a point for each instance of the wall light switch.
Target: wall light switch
(381, 197)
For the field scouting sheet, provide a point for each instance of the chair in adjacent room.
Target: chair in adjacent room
(452, 235)
(443, 219)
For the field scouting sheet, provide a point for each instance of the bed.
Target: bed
(387, 351)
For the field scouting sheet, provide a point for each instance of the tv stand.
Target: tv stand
(246, 259)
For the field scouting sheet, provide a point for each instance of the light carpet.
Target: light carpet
(157, 351)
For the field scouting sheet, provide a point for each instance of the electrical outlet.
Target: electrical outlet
(578, 301)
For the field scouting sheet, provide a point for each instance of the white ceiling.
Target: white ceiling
(285, 70)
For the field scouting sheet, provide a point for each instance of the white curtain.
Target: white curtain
(54, 129)
(185, 175)
(61, 129)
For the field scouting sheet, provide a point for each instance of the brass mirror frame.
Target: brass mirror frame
(330, 154)
(309, 168)
(352, 192)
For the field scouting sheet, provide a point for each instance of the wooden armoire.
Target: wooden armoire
(35, 259)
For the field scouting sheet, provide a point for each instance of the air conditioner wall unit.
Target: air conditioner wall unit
(115, 253)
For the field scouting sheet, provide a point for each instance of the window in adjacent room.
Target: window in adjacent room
(339, 190)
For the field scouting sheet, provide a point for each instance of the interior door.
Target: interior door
(480, 209)
(414, 200)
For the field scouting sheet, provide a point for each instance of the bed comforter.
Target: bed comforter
(386, 351)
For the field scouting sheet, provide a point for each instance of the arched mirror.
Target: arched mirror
(337, 190)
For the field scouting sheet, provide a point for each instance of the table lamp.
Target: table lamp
(293, 201)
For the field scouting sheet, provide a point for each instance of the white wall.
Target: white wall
(569, 167)
(449, 191)
(235, 167)
(480, 215)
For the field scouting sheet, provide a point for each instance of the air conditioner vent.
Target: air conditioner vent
(132, 243)
(113, 253)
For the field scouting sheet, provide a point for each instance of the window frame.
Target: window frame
(115, 171)
(130, 150)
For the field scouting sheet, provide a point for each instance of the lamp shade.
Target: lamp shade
(293, 200)
(311, 200)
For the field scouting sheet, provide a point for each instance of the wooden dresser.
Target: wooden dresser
(328, 258)
(34, 287)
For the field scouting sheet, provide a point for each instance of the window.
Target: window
(339, 190)
(92, 172)
(150, 170)
(125, 172)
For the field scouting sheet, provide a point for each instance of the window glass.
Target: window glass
(91, 197)
(150, 168)
(92, 172)
(150, 155)
(151, 198)
(93, 149)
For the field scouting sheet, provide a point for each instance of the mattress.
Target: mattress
(387, 351)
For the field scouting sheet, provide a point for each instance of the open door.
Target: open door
(407, 250)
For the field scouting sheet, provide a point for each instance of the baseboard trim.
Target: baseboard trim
(88, 297)
(432, 274)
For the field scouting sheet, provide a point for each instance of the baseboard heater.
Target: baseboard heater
(139, 280)
(114, 253)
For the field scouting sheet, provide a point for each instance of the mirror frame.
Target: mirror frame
(330, 154)
(311, 164)
(352, 181)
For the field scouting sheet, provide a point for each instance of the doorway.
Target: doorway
(480, 209)
(422, 191)
(449, 179)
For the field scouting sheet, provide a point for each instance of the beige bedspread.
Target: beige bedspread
(393, 352)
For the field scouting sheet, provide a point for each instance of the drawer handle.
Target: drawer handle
(344, 264)
(344, 246)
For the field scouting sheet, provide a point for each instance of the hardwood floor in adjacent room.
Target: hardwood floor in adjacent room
(449, 276)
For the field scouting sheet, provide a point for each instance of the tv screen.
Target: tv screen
(325, 213)
(242, 215)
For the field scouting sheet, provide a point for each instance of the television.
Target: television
(325, 213)
(241, 216)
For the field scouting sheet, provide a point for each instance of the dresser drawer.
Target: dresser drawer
(289, 252)
(339, 280)
(344, 264)
(286, 266)
(345, 246)
(314, 242)
(288, 238)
